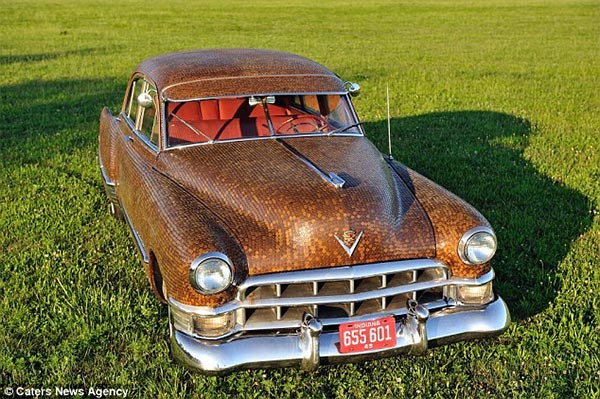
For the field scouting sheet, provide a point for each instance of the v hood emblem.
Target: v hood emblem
(349, 240)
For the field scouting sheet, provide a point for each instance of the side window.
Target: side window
(149, 125)
(144, 116)
(132, 105)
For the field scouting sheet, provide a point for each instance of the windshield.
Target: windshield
(234, 118)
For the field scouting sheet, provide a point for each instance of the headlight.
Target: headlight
(211, 273)
(477, 246)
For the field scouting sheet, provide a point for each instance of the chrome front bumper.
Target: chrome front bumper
(310, 346)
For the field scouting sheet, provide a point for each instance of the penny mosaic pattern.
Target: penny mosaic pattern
(257, 201)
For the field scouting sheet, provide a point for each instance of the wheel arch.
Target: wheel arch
(154, 275)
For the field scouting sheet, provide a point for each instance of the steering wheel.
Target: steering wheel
(293, 124)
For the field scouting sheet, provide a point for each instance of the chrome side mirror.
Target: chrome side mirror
(145, 100)
(353, 88)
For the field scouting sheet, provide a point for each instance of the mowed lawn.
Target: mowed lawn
(499, 101)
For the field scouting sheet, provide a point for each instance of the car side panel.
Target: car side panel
(173, 227)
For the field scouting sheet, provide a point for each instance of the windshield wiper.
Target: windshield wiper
(343, 129)
(192, 128)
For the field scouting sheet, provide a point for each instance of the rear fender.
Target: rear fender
(107, 137)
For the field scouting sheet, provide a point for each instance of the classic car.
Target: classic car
(274, 230)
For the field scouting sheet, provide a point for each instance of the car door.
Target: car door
(138, 149)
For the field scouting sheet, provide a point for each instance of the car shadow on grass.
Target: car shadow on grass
(8, 59)
(45, 119)
(479, 155)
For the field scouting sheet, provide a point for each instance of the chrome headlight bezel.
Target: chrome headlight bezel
(467, 240)
(211, 263)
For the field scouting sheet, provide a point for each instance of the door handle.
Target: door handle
(129, 139)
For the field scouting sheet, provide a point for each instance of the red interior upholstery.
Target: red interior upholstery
(188, 111)
(209, 108)
(229, 107)
(221, 119)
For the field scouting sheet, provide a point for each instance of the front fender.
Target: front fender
(175, 229)
(450, 217)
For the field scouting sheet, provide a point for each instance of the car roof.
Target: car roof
(230, 72)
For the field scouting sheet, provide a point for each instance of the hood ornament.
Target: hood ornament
(349, 240)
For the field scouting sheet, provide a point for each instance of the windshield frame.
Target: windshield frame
(354, 129)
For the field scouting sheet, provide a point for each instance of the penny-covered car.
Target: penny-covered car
(274, 230)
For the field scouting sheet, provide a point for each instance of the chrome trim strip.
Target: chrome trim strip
(111, 188)
(329, 322)
(163, 126)
(481, 280)
(139, 135)
(360, 124)
(310, 347)
(105, 177)
(223, 78)
(291, 324)
(205, 310)
(138, 241)
(342, 273)
(287, 136)
(308, 93)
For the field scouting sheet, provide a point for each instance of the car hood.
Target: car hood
(285, 216)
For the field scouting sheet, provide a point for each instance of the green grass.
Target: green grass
(496, 100)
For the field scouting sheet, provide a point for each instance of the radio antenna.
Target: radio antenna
(389, 129)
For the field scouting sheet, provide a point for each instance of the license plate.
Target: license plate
(368, 335)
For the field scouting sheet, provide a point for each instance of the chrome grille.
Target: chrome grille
(336, 295)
